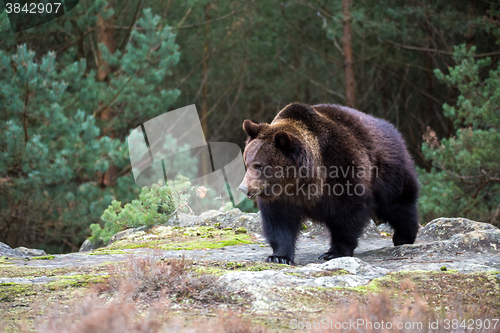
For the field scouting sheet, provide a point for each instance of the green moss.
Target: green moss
(17, 300)
(221, 267)
(47, 257)
(77, 280)
(234, 265)
(202, 270)
(374, 286)
(240, 230)
(195, 245)
(194, 238)
(334, 272)
(102, 251)
(9, 292)
(253, 266)
(12, 271)
(5, 261)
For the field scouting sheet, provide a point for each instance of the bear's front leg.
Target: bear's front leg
(344, 233)
(281, 226)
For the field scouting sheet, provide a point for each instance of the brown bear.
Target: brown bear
(332, 165)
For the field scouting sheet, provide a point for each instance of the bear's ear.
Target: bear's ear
(283, 141)
(252, 128)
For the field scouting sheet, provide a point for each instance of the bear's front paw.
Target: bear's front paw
(399, 239)
(331, 255)
(279, 260)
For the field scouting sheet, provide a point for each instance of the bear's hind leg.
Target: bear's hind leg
(281, 226)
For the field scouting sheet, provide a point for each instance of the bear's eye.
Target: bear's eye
(258, 166)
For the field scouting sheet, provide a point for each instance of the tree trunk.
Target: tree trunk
(470, 37)
(204, 103)
(105, 35)
(350, 83)
(496, 217)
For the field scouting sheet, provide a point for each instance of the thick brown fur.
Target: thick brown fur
(371, 156)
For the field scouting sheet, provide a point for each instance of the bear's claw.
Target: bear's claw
(279, 260)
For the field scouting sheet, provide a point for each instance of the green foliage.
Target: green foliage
(254, 56)
(155, 206)
(148, 58)
(465, 178)
(55, 147)
(247, 206)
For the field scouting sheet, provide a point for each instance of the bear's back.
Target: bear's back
(351, 130)
(353, 118)
(380, 131)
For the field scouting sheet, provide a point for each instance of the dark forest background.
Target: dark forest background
(71, 91)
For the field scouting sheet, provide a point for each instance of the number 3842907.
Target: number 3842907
(32, 8)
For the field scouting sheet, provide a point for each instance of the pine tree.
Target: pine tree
(465, 177)
(54, 148)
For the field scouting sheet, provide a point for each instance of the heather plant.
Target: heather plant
(154, 278)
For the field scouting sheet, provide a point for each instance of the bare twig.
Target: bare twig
(104, 107)
(328, 90)
(25, 116)
(185, 16)
(209, 21)
(126, 39)
(425, 49)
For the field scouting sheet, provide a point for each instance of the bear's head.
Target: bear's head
(273, 155)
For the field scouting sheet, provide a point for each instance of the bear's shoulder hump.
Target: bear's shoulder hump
(297, 111)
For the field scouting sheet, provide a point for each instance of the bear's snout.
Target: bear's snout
(243, 189)
(248, 190)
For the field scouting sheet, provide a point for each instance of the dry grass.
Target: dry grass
(408, 313)
(139, 296)
(96, 315)
(123, 314)
(154, 279)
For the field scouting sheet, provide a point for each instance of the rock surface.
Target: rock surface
(385, 227)
(87, 246)
(19, 252)
(445, 249)
(446, 228)
(459, 243)
(448, 237)
(452, 244)
(435, 266)
(233, 218)
(125, 233)
(371, 231)
(347, 272)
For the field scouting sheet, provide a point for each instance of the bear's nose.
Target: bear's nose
(243, 189)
